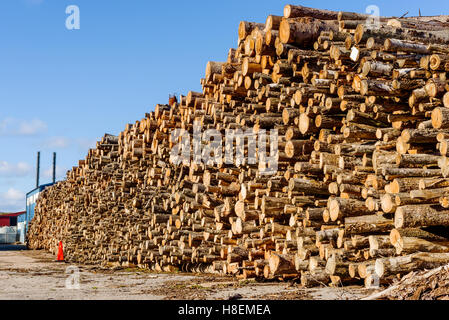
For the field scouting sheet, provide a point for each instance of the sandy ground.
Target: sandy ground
(36, 275)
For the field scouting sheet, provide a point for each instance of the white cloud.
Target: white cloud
(85, 144)
(60, 173)
(19, 169)
(13, 194)
(5, 124)
(57, 142)
(32, 127)
(12, 200)
(17, 127)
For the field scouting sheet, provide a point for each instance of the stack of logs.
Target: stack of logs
(361, 194)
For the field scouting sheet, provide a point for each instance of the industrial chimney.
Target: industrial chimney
(38, 168)
(54, 167)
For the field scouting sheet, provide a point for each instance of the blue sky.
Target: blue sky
(60, 90)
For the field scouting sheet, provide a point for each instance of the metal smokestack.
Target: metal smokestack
(54, 167)
(38, 168)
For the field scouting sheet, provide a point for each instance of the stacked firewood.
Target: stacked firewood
(360, 195)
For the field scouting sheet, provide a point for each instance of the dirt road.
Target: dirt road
(36, 275)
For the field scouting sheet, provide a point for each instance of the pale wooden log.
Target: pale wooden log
(397, 234)
(420, 215)
(292, 11)
(405, 264)
(319, 278)
(303, 31)
(280, 264)
(368, 224)
(440, 118)
(400, 45)
(406, 245)
(340, 208)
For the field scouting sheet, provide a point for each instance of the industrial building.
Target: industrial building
(33, 195)
(12, 219)
(14, 226)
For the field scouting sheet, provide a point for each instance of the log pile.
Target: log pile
(361, 191)
(418, 285)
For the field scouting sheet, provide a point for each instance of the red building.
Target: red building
(10, 219)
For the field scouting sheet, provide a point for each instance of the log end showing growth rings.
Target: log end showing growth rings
(287, 11)
(438, 117)
(379, 267)
(399, 218)
(304, 122)
(334, 209)
(284, 31)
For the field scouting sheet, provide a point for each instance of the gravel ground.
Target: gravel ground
(35, 275)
